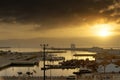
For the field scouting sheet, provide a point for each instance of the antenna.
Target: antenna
(44, 57)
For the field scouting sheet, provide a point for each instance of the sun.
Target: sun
(103, 30)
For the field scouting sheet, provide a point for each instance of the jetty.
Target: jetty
(32, 78)
(84, 55)
(92, 49)
(10, 59)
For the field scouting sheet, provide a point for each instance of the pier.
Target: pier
(92, 49)
(76, 55)
(32, 78)
(59, 67)
(12, 59)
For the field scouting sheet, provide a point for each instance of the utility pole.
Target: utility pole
(44, 59)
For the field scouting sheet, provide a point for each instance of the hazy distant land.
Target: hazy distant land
(62, 42)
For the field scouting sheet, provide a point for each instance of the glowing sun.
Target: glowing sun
(103, 30)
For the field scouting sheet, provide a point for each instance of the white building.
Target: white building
(108, 68)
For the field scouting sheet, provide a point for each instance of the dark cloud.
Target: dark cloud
(47, 14)
(113, 10)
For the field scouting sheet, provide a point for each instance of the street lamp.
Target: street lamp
(44, 48)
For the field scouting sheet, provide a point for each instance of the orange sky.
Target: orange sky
(85, 30)
(58, 18)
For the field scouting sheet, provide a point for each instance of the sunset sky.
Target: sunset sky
(83, 19)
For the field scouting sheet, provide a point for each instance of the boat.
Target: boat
(82, 72)
(71, 77)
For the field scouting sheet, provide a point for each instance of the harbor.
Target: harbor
(59, 40)
(29, 66)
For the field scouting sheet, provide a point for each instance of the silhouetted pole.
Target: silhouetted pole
(44, 48)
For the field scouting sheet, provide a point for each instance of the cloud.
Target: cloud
(49, 14)
(114, 8)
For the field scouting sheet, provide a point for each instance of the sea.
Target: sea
(36, 70)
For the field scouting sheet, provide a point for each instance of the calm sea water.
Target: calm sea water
(12, 71)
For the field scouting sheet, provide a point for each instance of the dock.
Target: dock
(84, 55)
(10, 59)
(92, 49)
(32, 78)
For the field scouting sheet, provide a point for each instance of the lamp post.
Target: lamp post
(44, 48)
